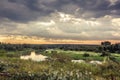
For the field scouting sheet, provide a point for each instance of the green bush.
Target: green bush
(86, 55)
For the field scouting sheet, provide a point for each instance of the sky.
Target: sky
(59, 21)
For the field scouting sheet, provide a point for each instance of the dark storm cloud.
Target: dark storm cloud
(98, 8)
(116, 6)
(22, 10)
(27, 10)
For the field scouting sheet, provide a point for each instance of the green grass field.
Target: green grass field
(79, 54)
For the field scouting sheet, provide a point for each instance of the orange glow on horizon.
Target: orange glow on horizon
(20, 40)
(28, 41)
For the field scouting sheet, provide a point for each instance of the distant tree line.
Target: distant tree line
(76, 47)
(105, 46)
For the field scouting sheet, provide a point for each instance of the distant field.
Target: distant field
(80, 54)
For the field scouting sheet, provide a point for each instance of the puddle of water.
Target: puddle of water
(35, 57)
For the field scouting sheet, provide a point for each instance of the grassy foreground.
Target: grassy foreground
(60, 67)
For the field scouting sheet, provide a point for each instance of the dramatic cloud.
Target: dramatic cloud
(27, 10)
(61, 19)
